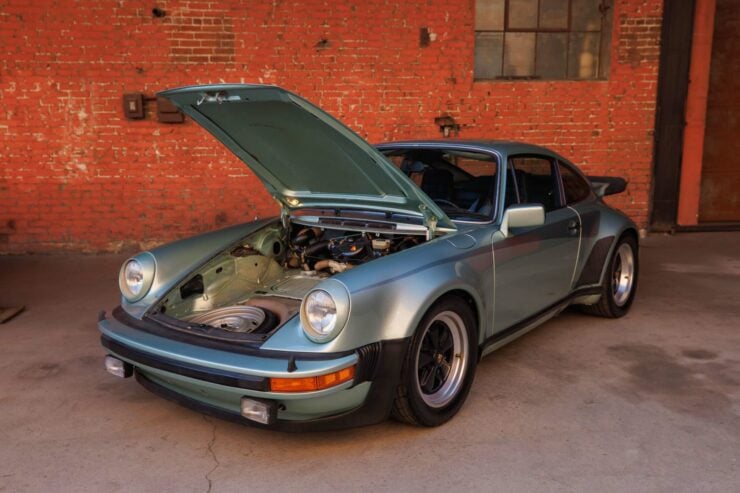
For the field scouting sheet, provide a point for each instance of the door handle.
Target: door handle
(573, 226)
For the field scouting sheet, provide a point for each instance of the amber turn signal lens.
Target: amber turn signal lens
(308, 384)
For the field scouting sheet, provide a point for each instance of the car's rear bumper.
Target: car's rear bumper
(214, 381)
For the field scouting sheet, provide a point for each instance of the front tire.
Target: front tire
(439, 366)
(620, 281)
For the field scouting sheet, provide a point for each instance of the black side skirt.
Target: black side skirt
(527, 322)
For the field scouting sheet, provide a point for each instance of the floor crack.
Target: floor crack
(211, 443)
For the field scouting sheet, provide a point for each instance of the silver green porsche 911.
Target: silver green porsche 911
(390, 272)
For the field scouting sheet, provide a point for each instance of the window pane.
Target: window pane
(554, 14)
(523, 14)
(488, 52)
(552, 60)
(519, 54)
(575, 187)
(583, 55)
(536, 182)
(586, 15)
(489, 15)
(475, 193)
(547, 39)
(512, 195)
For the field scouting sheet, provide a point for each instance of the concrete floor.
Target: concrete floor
(647, 402)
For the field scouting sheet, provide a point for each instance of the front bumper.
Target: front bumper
(213, 381)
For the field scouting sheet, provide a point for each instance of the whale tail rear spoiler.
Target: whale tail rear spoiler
(607, 185)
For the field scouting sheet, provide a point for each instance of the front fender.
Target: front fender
(389, 296)
(175, 260)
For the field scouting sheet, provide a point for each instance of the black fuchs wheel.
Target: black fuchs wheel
(439, 366)
(620, 281)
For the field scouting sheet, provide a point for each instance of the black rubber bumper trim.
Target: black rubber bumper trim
(212, 375)
(151, 326)
(376, 408)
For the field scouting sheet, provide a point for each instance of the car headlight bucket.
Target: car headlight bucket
(324, 311)
(321, 312)
(136, 277)
(133, 276)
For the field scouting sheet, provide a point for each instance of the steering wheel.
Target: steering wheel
(445, 202)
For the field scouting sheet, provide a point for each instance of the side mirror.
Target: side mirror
(522, 216)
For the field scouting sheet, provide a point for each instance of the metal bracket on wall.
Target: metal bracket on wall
(447, 125)
(134, 108)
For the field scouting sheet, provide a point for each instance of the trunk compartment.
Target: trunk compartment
(252, 288)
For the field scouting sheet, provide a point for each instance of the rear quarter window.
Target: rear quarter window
(575, 187)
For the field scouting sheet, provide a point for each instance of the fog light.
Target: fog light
(119, 368)
(259, 411)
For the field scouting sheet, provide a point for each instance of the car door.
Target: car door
(580, 197)
(534, 266)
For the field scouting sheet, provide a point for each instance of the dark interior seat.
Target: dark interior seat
(438, 184)
(539, 190)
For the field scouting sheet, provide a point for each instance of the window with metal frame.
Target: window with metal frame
(462, 182)
(542, 39)
(575, 187)
(536, 181)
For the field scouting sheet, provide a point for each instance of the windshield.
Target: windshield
(462, 183)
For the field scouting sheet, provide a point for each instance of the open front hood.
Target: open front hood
(304, 156)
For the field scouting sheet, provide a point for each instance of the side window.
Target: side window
(512, 194)
(536, 181)
(575, 187)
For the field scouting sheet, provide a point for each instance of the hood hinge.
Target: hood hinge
(430, 221)
(284, 214)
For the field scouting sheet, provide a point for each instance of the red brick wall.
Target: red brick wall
(75, 175)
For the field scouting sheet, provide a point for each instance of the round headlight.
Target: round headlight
(321, 313)
(133, 276)
(136, 277)
(325, 311)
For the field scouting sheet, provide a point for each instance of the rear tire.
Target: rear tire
(439, 366)
(620, 281)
